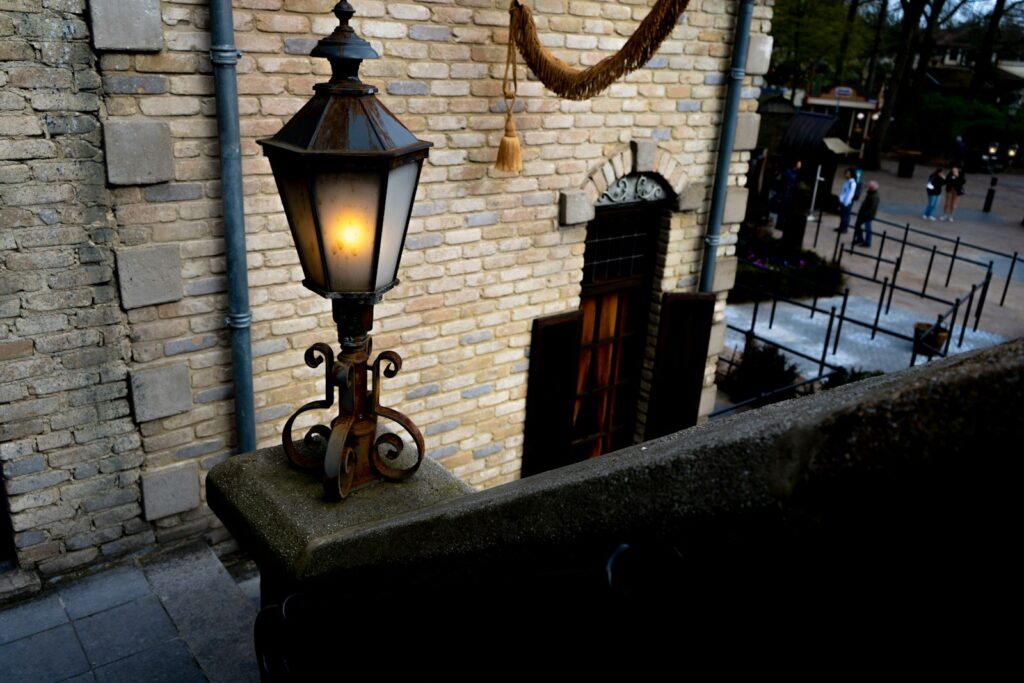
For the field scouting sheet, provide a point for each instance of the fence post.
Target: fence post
(771, 317)
(981, 299)
(1009, 276)
(937, 328)
(967, 316)
(828, 338)
(842, 316)
(952, 324)
(928, 273)
(837, 250)
(895, 271)
(881, 302)
(814, 306)
(881, 250)
(952, 259)
(818, 228)
(906, 235)
(753, 316)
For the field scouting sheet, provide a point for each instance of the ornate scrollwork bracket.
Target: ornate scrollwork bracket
(349, 454)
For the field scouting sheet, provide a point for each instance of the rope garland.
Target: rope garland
(566, 81)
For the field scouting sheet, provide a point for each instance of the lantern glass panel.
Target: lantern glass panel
(295, 196)
(401, 191)
(347, 205)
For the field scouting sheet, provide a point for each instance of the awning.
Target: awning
(837, 146)
(805, 132)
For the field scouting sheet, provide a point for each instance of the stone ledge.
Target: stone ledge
(784, 474)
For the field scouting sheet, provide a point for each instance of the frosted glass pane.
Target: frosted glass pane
(347, 205)
(295, 198)
(401, 191)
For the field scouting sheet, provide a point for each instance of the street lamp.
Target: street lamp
(347, 171)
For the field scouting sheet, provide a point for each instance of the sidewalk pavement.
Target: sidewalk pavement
(902, 202)
(172, 617)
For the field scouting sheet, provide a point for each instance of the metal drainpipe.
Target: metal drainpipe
(224, 56)
(741, 43)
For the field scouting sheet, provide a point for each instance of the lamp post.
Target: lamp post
(347, 171)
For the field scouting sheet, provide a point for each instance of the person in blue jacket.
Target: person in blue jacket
(846, 197)
(936, 181)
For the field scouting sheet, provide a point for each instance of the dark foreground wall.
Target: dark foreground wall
(893, 496)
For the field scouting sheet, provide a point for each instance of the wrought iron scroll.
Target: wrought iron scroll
(317, 436)
(389, 446)
(632, 188)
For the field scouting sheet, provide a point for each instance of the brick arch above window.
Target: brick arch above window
(641, 156)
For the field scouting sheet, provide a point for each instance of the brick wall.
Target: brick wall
(130, 284)
(69, 448)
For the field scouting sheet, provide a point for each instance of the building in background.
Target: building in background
(115, 365)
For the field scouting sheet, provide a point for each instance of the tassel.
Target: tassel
(510, 155)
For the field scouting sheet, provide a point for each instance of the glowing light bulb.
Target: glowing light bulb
(350, 238)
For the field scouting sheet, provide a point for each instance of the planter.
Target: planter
(929, 341)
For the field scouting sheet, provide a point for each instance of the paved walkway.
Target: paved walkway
(174, 617)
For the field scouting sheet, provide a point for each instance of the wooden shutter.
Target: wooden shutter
(679, 362)
(551, 392)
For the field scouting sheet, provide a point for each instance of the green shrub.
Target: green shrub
(761, 370)
(766, 270)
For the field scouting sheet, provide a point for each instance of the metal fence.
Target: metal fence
(931, 340)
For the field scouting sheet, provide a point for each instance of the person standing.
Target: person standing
(954, 190)
(936, 181)
(787, 195)
(846, 196)
(867, 213)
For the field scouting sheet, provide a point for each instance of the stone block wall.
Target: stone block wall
(70, 450)
(108, 145)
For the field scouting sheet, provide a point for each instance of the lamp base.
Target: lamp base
(349, 455)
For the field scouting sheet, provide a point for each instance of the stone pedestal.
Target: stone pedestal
(280, 517)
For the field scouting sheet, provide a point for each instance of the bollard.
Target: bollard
(990, 195)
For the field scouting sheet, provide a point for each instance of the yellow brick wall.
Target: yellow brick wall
(485, 255)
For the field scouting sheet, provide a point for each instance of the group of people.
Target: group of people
(939, 183)
(865, 215)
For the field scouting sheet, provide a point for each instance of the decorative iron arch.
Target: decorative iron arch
(634, 188)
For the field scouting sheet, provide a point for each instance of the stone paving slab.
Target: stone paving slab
(125, 630)
(169, 662)
(179, 617)
(188, 583)
(103, 591)
(52, 655)
(31, 618)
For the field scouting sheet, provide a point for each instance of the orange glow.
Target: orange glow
(349, 237)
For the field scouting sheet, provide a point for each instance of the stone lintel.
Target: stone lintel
(644, 154)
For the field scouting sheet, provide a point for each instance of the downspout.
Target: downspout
(741, 43)
(224, 56)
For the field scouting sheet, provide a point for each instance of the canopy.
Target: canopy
(837, 146)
